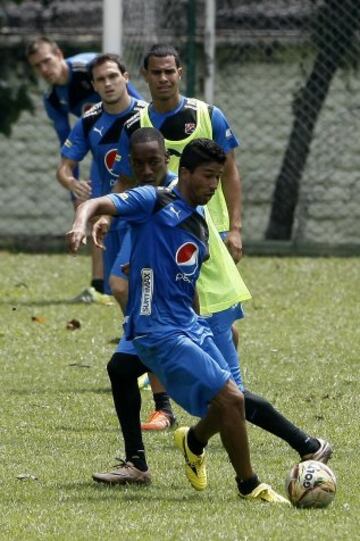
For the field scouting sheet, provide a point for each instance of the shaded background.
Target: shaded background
(286, 76)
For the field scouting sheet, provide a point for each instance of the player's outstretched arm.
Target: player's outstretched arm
(87, 210)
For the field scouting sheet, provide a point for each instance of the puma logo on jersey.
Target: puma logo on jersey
(99, 130)
(174, 211)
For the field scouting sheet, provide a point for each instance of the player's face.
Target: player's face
(109, 82)
(149, 163)
(48, 63)
(163, 77)
(200, 185)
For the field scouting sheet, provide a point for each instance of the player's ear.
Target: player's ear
(167, 157)
(126, 76)
(180, 72)
(144, 72)
(58, 52)
(184, 173)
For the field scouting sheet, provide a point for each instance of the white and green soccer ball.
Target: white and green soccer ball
(310, 484)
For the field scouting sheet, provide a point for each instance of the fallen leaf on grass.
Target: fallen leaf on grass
(38, 319)
(26, 477)
(73, 324)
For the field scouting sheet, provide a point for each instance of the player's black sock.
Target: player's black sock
(247, 486)
(98, 284)
(123, 370)
(194, 444)
(162, 403)
(139, 460)
(261, 413)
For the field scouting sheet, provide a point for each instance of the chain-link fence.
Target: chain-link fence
(286, 76)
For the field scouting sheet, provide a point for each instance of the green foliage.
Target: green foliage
(299, 345)
(14, 89)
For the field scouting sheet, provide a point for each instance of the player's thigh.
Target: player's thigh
(192, 374)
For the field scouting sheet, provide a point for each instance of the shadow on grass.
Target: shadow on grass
(82, 428)
(34, 392)
(48, 302)
(133, 493)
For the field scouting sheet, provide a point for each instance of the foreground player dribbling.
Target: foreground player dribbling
(161, 321)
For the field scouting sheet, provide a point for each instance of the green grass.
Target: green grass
(299, 346)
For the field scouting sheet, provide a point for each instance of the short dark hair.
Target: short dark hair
(106, 57)
(199, 152)
(148, 135)
(161, 50)
(33, 46)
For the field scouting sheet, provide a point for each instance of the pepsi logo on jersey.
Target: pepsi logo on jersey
(187, 259)
(109, 160)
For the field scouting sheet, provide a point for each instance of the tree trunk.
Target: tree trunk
(337, 23)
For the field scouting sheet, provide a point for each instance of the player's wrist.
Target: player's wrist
(235, 227)
(72, 184)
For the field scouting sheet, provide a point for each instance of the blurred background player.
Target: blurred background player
(70, 92)
(98, 131)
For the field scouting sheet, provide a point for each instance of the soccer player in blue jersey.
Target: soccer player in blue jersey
(169, 244)
(98, 132)
(181, 120)
(149, 163)
(70, 93)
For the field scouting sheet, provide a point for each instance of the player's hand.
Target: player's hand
(234, 245)
(99, 230)
(81, 189)
(76, 237)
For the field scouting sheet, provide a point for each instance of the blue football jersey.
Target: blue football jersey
(76, 96)
(99, 132)
(169, 241)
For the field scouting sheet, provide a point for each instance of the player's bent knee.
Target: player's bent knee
(124, 367)
(229, 399)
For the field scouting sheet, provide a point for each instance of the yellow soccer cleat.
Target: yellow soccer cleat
(265, 493)
(195, 467)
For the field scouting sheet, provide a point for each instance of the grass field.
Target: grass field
(299, 346)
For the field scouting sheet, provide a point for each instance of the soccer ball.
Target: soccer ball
(311, 484)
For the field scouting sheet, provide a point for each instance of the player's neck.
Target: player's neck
(118, 107)
(164, 106)
(185, 194)
(65, 74)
